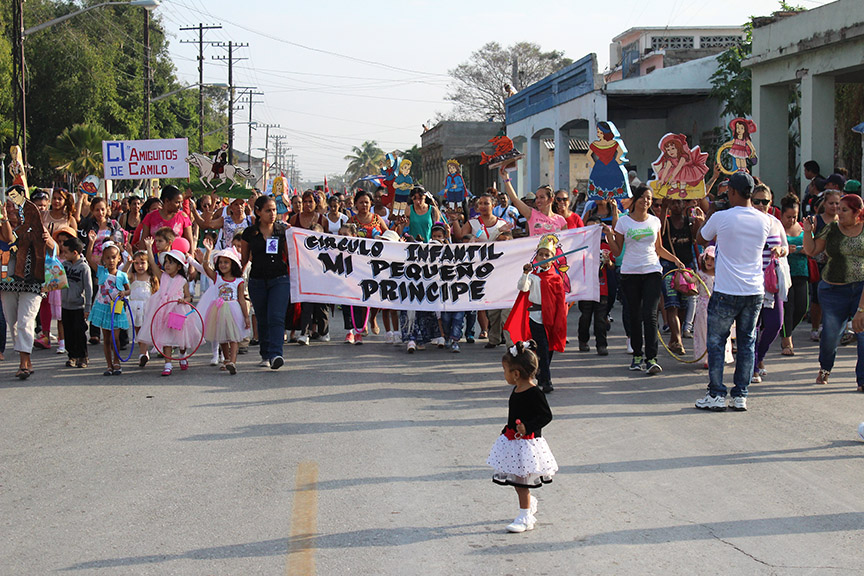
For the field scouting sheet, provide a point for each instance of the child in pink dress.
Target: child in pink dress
(173, 297)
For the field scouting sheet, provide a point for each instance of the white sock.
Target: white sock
(61, 343)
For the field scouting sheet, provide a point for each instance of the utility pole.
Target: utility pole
(231, 59)
(251, 101)
(267, 150)
(146, 74)
(200, 28)
(278, 140)
(19, 130)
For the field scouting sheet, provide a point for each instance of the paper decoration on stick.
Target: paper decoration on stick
(738, 154)
(16, 167)
(505, 154)
(90, 185)
(454, 191)
(679, 171)
(402, 184)
(608, 177)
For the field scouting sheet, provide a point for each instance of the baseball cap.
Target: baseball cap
(741, 182)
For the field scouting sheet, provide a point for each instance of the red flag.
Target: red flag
(326, 189)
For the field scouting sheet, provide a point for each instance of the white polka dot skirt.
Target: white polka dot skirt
(528, 463)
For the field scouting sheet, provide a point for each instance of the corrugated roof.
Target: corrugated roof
(576, 145)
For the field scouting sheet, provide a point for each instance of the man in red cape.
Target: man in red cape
(541, 290)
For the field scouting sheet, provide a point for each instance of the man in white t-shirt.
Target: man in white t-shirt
(739, 234)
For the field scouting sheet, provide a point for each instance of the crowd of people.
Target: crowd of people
(212, 272)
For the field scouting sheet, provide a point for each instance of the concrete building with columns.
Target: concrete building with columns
(565, 107)
(812, 52)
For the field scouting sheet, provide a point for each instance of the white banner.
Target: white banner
(435, 277)
(137, 159)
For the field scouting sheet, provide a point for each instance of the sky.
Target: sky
(337, 73)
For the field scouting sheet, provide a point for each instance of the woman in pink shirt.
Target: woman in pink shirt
(541, 218)
(169, 216)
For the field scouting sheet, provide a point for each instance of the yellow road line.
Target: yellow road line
(304, 521)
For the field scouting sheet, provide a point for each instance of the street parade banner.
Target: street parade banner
(432, 277)
(137, 159)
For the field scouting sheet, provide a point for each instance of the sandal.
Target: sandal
(483, 335)
(788, 351)
(231, 368)
(108, 372)
(71, 363)
(22, 374)
(822, 377)
(82, 363)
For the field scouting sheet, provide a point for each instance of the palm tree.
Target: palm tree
(77, 152)
(364, 161)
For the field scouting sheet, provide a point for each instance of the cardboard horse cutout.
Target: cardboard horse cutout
(679, 171)
(734, 155)
(224, 174)
(608, 177)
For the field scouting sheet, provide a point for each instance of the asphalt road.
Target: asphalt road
(365, 460)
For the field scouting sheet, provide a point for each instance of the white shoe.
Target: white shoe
(738, 403)
(525, 521)
(629, 347)
(714, 403)
(264, 364)
(397, 338)
(214, 361)
(303, 340)
(325, 338)
(412, 346)
(61, 350)
(861, 430)
(756, 379)
(388, 337)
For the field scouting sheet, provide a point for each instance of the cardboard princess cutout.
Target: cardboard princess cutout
(402, 184)
(734, 156)
(679, 170)
(16, 168)
(455, 191)
(608, 177)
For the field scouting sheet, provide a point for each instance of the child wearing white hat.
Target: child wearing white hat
(226, 317)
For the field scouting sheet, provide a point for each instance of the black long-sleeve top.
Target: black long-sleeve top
(531, 407)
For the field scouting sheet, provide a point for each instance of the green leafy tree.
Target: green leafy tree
(77, 151)
(364, 160)
(479, 85)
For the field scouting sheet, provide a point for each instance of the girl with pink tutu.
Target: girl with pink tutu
(679, 166)
(162, 325)
(226, 317)
(520, 456)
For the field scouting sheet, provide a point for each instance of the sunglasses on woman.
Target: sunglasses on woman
(761, 201)
(561, 199)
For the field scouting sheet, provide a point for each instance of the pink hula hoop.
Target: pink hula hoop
(201, 341)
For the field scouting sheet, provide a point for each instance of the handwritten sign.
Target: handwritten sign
(137, 159)
(432, 277)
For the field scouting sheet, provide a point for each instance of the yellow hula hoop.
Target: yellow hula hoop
(660, 334)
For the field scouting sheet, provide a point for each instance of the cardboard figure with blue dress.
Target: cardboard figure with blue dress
(608, 177)
(455, 191)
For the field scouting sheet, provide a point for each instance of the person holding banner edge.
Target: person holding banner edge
(265, 246)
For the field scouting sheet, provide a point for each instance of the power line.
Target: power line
(201, 28)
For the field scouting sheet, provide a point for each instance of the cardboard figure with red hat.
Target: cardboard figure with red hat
(734, 155)
(679, 170)
(540, 310)
(608, 177)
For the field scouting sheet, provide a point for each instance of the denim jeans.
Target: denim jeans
(723, 310)
(839, 303)
(451, 323)
(470, 320)
(270, 298)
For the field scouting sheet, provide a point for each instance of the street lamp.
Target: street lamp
(20, 33)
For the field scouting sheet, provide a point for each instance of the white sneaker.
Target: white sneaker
(61, 350)
(738, 403)
(397, 338)
(412, 346)
(861, 430)
(525, 521)
(629, 347)
(264, 364)
(303, 340)
(388, 337)
(714, 403)
(756, 379)
(325, 338)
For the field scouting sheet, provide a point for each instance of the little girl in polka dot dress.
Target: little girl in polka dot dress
(520, 456)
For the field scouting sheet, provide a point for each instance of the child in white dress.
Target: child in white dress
(226, 317)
